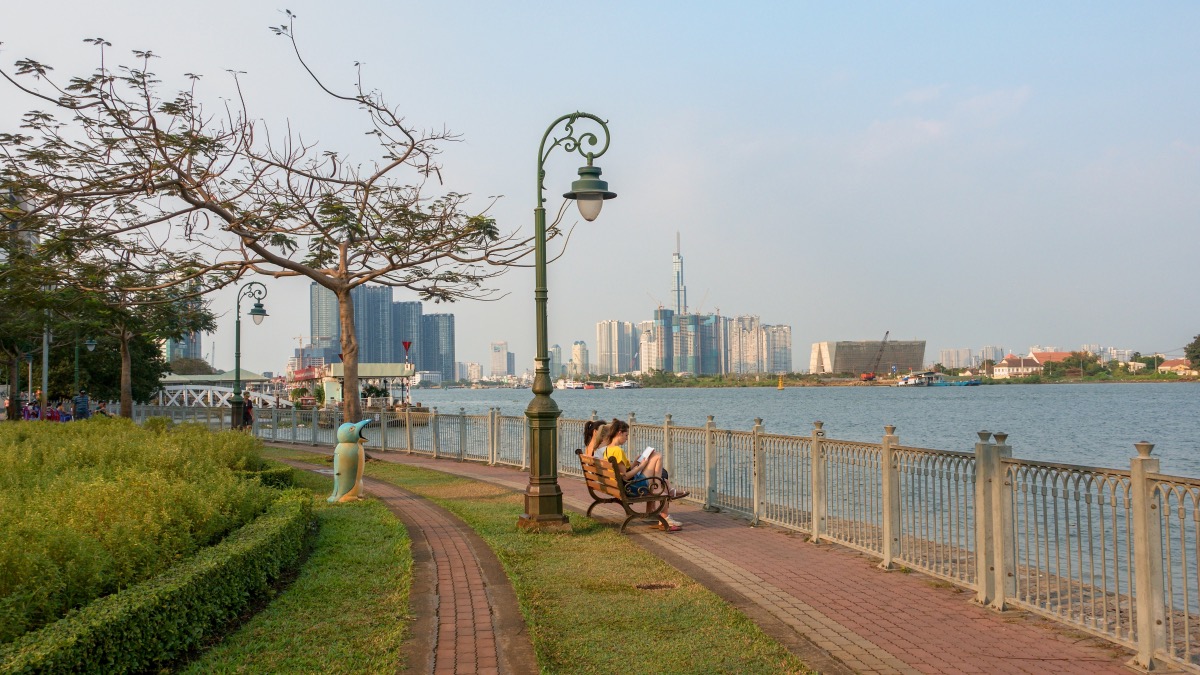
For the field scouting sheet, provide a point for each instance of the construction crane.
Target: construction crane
(870, 375)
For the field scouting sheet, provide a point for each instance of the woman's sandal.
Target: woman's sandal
(677, 494)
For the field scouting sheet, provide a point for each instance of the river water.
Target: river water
(1091, 424)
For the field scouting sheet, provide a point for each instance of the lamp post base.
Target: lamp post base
(547, 523)
(237, 416)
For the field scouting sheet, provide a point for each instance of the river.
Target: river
(1092, 424)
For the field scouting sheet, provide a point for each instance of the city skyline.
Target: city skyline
(962, 174)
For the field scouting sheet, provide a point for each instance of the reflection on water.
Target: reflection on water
(1093, 424)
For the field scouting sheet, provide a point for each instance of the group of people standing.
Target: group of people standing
(606, 440)
(63, 410)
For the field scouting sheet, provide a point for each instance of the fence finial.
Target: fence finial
(890, 429)
(1001, 437)
(984, 436)
(1144, 449)
(818, 424)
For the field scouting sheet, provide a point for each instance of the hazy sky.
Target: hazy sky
(950, 172)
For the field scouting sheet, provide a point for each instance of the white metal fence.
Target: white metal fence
(1112, 552)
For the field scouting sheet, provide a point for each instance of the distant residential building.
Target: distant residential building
(855, 357)
(615, 347)
(406, 327)
(500, 360)
(579, 359)
(373, 322)
(745, 345)
(1177, 366)
(777, 352)
(1050, 357)
(990, 353)
(1015, 366)
(437, 349)
(556, 363)
(955, 358)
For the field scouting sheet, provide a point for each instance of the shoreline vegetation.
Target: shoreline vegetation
(669, 381)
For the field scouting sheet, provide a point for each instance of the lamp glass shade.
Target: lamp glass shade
(589, 207)
(257, 313)
(91, 345)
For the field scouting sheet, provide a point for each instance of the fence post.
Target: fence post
(295, 425)
(985, 546)
(1004, 554)
(1147, 559)
(818, 481)
(462, 434)
(891, 498)
(758, 471)
(666, 448)
(408, 429)
(491, 436)
(383, 429)
(594, 418)
(433, 430)
(710, 467)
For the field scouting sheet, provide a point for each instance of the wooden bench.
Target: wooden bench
(607, 486)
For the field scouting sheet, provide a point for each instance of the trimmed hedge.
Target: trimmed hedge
(278, 477)
(161, 619)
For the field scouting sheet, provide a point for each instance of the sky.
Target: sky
(960, 173)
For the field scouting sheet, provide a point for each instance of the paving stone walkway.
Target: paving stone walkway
(466, 615)
(833, 607)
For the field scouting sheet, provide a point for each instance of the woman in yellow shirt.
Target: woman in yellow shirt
(637, 474)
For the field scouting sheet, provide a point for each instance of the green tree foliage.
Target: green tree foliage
(1192, 352)
(145, 166)
(191, 367)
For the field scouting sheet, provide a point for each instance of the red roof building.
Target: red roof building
(1015, 366)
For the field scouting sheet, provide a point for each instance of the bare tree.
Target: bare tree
(129, 169)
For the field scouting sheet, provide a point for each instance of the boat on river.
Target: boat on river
(932, 379)
(624, 384)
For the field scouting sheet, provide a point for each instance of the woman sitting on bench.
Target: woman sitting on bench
(593, 431)
(637, 473)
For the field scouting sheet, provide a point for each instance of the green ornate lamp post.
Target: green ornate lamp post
(257, 291)
(543, 496)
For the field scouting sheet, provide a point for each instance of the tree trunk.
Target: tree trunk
(14, 395)
(350, 403)
(126, 376)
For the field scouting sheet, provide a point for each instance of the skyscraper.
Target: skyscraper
(615, 347)
(778, 349)
(579, 359)
(678, 290)
(323, 323)
(556, 364)
(663, 337)
(373, 323)
(500, 359)
(746, 345)
(437, 344)
(406, 327)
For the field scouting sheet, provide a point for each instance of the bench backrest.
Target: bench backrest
(602, 475)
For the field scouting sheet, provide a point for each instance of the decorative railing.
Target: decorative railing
(1111, 552)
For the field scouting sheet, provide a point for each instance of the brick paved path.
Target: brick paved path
(834, 607)
(466, 615)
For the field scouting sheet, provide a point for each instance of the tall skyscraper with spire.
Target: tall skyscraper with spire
(679, 292)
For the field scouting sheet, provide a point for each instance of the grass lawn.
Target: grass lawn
(346, 611)
(579, 592)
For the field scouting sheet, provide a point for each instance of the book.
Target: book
(645, 454)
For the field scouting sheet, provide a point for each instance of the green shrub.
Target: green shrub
(159, 620)
(278, 478)
(158, 424)
(90, 508)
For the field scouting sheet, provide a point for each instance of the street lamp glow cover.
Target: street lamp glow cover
(589, 192)
(91, 345)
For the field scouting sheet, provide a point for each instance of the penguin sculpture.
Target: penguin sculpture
(348, 460)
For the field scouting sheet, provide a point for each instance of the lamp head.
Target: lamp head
(589, 192)
(257, 313)
(90, 344)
